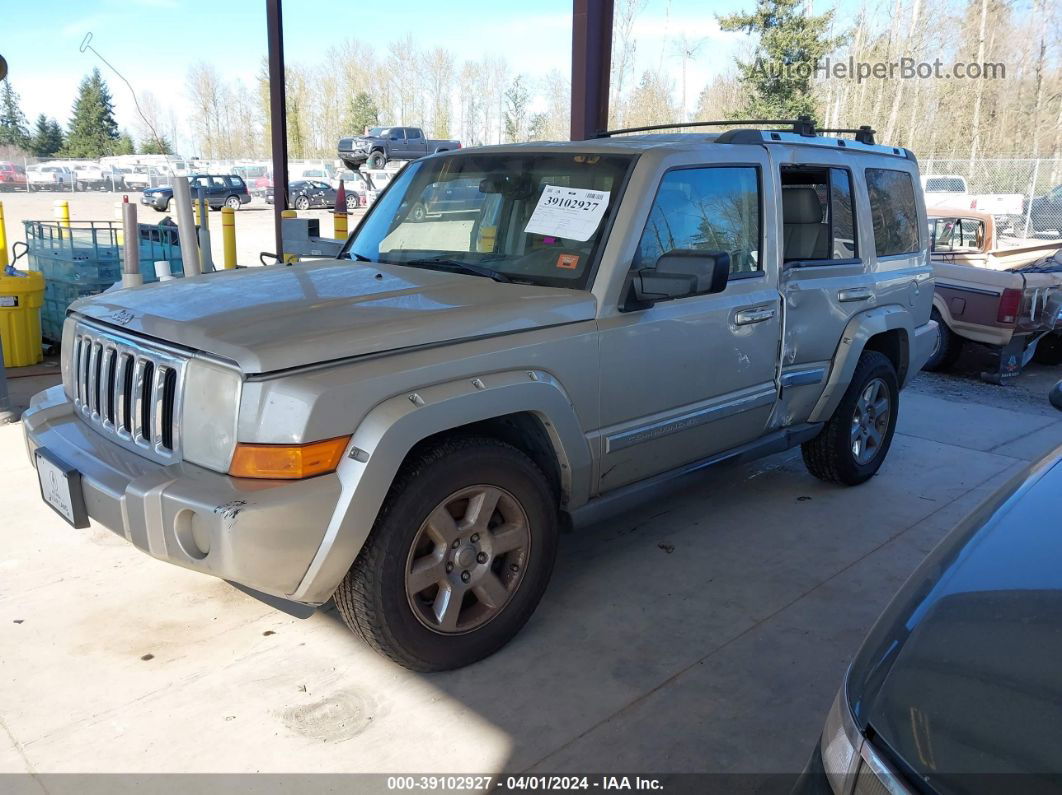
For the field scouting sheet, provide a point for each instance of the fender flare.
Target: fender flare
(389, 431)
(859, 330)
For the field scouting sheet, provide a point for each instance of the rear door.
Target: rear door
(685, 379)
(416, 146)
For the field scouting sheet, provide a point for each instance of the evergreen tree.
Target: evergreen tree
(93, 131)
(517, 99)
(47, 138)
(156, 146)
(791, 43)
(124, 145)
(13, 130)
(363, 113)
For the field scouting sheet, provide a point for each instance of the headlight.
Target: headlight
(209, 411)
(840, 744)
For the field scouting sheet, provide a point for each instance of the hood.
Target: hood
(273, 318)
(961, 673)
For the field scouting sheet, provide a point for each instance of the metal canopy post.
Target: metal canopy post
(278, 117)
(591, 66)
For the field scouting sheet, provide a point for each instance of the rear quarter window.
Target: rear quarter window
(893, 211)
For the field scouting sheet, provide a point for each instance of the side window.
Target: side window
(217, 182)
(412, 133)
(705, 209)
(818, 220)
(893, 211)
(236, 182)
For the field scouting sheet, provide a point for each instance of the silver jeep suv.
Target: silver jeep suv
(405, 428)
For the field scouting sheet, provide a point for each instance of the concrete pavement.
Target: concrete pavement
(705, 632)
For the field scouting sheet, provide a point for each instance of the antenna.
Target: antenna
(87, 45)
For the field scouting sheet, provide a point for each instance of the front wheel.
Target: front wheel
(376, 160)
(352, 202)
(458, 559)
(852, 446)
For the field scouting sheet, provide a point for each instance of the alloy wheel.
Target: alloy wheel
(467, 559)
(870, 421)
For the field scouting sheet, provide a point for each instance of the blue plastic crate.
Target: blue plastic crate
(85, 258)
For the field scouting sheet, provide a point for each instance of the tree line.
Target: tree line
(91, 133)
(356, 85)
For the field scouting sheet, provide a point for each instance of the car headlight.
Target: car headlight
(840, 744)
(209, 411)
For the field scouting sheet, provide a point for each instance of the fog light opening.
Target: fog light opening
(193, 535)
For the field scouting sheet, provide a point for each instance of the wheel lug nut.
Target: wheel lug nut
(456, 544)
(514, 568)
(475, 538)
(449, 567)
(465, 576)
(482, 557)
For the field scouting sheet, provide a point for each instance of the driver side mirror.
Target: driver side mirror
(681, 273)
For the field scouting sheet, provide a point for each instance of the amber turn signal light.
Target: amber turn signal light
(288, 462)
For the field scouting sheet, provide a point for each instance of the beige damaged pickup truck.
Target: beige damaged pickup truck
(406, 428)
(1004, 296)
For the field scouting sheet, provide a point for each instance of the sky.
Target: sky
(153, 42)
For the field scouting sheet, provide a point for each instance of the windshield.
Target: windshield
(531, 217)
(377, 132)
(945, 185)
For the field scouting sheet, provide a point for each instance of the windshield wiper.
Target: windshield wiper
(358, 257)
(452, 265)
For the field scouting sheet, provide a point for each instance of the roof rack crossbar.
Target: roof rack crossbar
(864, 134)
(802, 125)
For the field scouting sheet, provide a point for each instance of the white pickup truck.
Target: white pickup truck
(952, 190)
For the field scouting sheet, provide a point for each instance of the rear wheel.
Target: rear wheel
(458, 558)
(418, 213)
(1049, 350)
(376, 160)
(853, 444)
(946, 347)
(233, 202)
(302, 203)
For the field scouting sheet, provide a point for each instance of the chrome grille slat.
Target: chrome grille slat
(128, 389)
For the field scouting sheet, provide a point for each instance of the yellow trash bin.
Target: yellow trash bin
(21, 296)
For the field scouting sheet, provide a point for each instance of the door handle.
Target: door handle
(746, 317)
(853, 295)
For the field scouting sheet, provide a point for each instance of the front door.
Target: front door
(688, 378)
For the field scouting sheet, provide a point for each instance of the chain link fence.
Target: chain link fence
(1023, 194)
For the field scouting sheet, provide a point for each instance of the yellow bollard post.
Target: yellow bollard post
(195, 211)
(340, 213)
(3, 239)
(287, 257)
(61, 211)
(228, 237)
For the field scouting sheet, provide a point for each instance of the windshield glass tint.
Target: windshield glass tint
(532, 217)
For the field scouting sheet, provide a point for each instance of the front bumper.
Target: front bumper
(261, 534)
(921, 347)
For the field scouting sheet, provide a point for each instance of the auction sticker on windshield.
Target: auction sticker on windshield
(571, 213)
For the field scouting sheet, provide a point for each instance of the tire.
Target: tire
(946, 349)
(1049, 350)
(233, 202)
(302, 203)
(418, 213)
(169, 205)
(352, 202)
(376, 160)
(831, 455)
(374, 598)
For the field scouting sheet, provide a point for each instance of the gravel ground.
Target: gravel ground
(254, 221)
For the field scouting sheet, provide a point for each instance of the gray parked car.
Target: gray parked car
(956, 688)
(407, 428)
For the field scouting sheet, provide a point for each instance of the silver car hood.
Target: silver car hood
(274, 318)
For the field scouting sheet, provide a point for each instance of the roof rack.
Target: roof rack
(801, 125)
